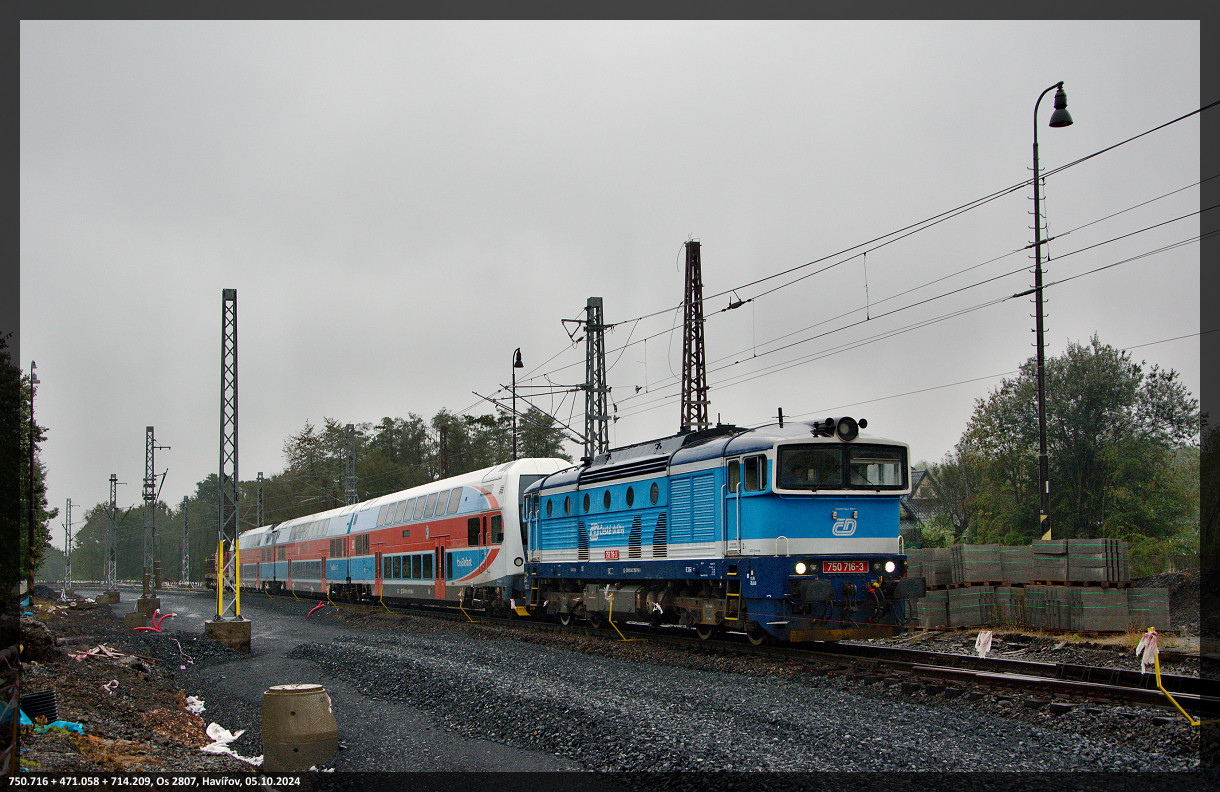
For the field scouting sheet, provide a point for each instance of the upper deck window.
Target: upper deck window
(814, 466)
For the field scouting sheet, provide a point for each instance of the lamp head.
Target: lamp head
(517, 359)
(1061, 117)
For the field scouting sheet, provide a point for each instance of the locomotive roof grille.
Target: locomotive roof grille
(641, 467)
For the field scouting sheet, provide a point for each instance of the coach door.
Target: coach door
(438, 568)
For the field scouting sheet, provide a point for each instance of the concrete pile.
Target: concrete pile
(1071, 585)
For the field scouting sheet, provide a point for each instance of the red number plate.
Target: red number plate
(830, 567)
(611, 555)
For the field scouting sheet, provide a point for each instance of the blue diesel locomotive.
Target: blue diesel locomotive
(787, 531)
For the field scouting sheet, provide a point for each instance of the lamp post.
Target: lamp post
(1060, 118)
(516, 365)
(30, 527)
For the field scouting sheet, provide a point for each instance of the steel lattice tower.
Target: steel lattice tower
(228, 601)
(349, 465)
(67, 548)
(152, 557)
(186, 547)
(597, 412)
(694, 365)
(109, 572)
(259, 502)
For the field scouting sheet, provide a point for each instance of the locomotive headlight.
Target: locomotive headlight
(801, 568)
(847, 429)
(890, 567)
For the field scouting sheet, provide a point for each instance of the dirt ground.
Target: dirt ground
(135, 717)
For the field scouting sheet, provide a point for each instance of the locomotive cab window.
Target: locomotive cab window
(876, 467)
(747, 475)
(807, 467)
(810, 466)
(755, 473)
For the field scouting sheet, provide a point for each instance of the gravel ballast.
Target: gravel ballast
(414, 693)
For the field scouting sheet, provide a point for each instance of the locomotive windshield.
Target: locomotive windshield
(813, 466)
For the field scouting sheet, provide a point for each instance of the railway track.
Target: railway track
(1056, 686)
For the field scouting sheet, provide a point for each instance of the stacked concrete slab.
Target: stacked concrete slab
(975, 563)
(1070, 585)
(969, 606)
(1016, 563)
(933, 564)
(1100, 610)
(931, 610)
(1148, 607)
(1008, 606)
(1050, 561)
(1080, 561)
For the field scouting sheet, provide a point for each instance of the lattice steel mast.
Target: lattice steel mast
(597, 411)
(67, 548)
(259, 502)
(109, 570)
(694, 365)
(152, 555)
(185, 576)
(228, 626)
(349, 464)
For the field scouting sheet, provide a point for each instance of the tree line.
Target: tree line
(391, 455)
(1123, 443)
(1130, 458)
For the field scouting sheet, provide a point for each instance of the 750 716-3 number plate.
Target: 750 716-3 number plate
(844, 567)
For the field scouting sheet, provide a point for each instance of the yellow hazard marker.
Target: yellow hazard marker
(610, 618)
(1149, 645)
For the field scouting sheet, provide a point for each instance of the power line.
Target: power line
(821, 354)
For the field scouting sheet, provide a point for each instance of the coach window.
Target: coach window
(472, 532)
(397, 573)
(417, 566)
(455, 500)
(417, 508)
(428, 503)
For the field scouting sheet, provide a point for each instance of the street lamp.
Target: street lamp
(516, 365)
(1060, 118)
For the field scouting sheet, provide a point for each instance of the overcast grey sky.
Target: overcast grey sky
(402, 204)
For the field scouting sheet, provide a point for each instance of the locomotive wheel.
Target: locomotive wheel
(758, 636)
(565, 618)
(597, 620)
(706, 631)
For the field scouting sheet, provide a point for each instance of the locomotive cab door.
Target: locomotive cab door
(732, 507)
